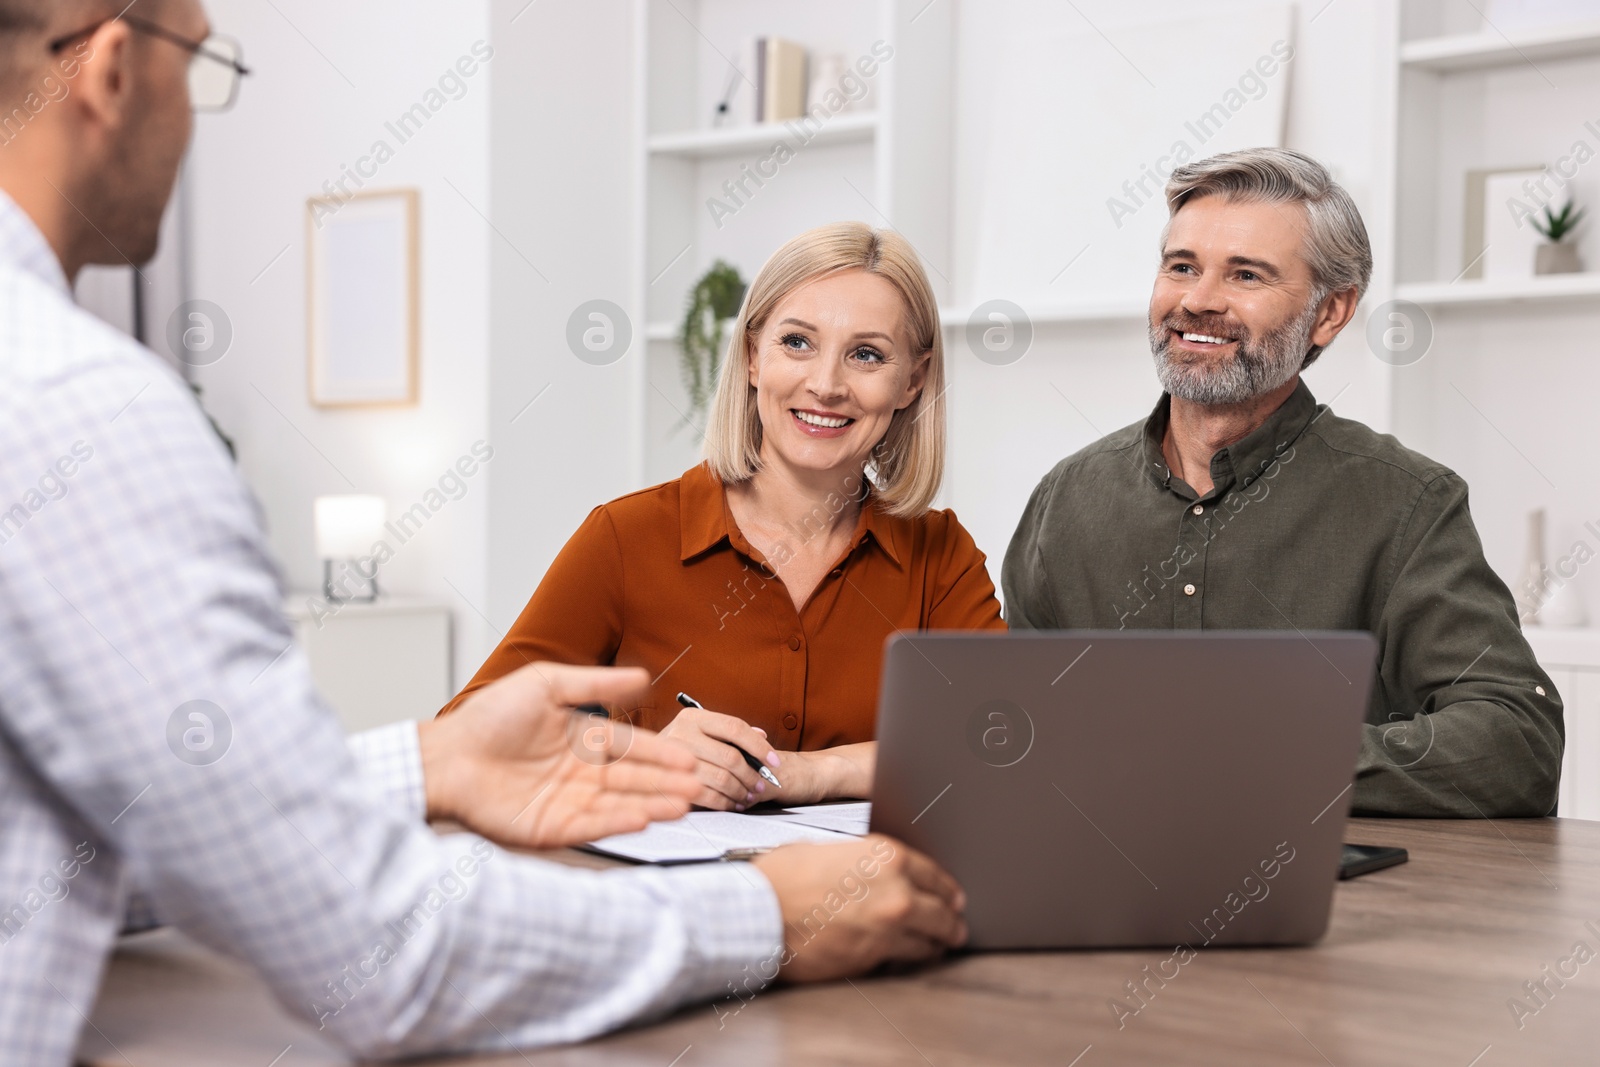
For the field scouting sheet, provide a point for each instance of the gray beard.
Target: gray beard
(1256, 368)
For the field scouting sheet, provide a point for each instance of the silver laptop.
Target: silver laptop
(1099, 789)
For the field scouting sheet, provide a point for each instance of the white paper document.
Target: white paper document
(703, 836)
(851, 818)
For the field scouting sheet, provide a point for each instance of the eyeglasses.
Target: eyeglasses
(214, 67)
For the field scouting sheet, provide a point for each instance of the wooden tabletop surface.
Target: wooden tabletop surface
(1422, 964)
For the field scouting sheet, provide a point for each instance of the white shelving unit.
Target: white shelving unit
(1475, 51)
(888, 165)
(1549, 288)
(1504, 394)
(1127, 310)
(706, 144)
(1470, 96)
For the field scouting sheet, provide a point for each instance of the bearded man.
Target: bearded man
(1243, 504)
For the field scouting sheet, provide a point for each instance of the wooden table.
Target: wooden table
(1419, 967)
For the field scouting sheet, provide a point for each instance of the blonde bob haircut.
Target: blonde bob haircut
(907, 466)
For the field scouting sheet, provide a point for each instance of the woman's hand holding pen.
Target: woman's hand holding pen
(728, 783)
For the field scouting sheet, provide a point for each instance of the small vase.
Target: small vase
(1563, 606)
(1558, 258)
(1530, 591)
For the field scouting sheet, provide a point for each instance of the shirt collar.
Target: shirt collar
(1245, 459)
(22, 245)
(705, 521)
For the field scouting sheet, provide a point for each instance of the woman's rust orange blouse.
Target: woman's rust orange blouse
(663, 579)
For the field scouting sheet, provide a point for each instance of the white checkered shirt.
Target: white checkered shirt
(134, 582)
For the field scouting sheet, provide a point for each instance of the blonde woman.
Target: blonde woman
(765, 581)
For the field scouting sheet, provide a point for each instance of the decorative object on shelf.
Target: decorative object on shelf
(362, 305)
(738, 104)
(714, 300)
(826, 73)
(1495, 242)
(1559, 256)
(347, 528)
(1563, 605)
(838, 88)
(1475, 220)
(783, 88)
(766, 84)
(1530, 590)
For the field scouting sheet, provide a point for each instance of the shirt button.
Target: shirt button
(1539, 689)
(1188, 590)
(1199, 509)
(794, 644)
(790, 722)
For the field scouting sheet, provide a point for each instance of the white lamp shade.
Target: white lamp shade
(348, 526)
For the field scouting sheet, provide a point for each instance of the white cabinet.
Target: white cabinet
(376, 663)
(1580, 770)
(1572, 659)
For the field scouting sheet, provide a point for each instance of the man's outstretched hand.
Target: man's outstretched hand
(517, 765)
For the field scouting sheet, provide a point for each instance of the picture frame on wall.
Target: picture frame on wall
(1493, 245)
(363, 298)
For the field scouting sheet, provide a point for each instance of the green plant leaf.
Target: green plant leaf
(1557, 224)
(714, 299)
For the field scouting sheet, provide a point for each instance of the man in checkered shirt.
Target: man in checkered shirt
(159, 730)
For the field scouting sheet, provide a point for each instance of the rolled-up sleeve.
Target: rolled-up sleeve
(1475, 725)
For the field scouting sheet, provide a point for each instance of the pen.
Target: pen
(756, 765)
(733, 855)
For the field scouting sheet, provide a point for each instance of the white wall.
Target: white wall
(327, 79)
(561, 174)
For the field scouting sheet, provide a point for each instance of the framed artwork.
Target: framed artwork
(1494, 245)
(362, 303)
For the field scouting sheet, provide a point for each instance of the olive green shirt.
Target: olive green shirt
(1315, 523)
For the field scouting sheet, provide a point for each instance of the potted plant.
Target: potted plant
(1559, 256)
(714, 300)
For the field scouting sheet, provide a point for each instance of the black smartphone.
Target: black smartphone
(1357, 860)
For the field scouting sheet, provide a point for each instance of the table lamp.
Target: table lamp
(347, 528)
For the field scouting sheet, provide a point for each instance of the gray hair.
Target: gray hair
(1337, 249)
